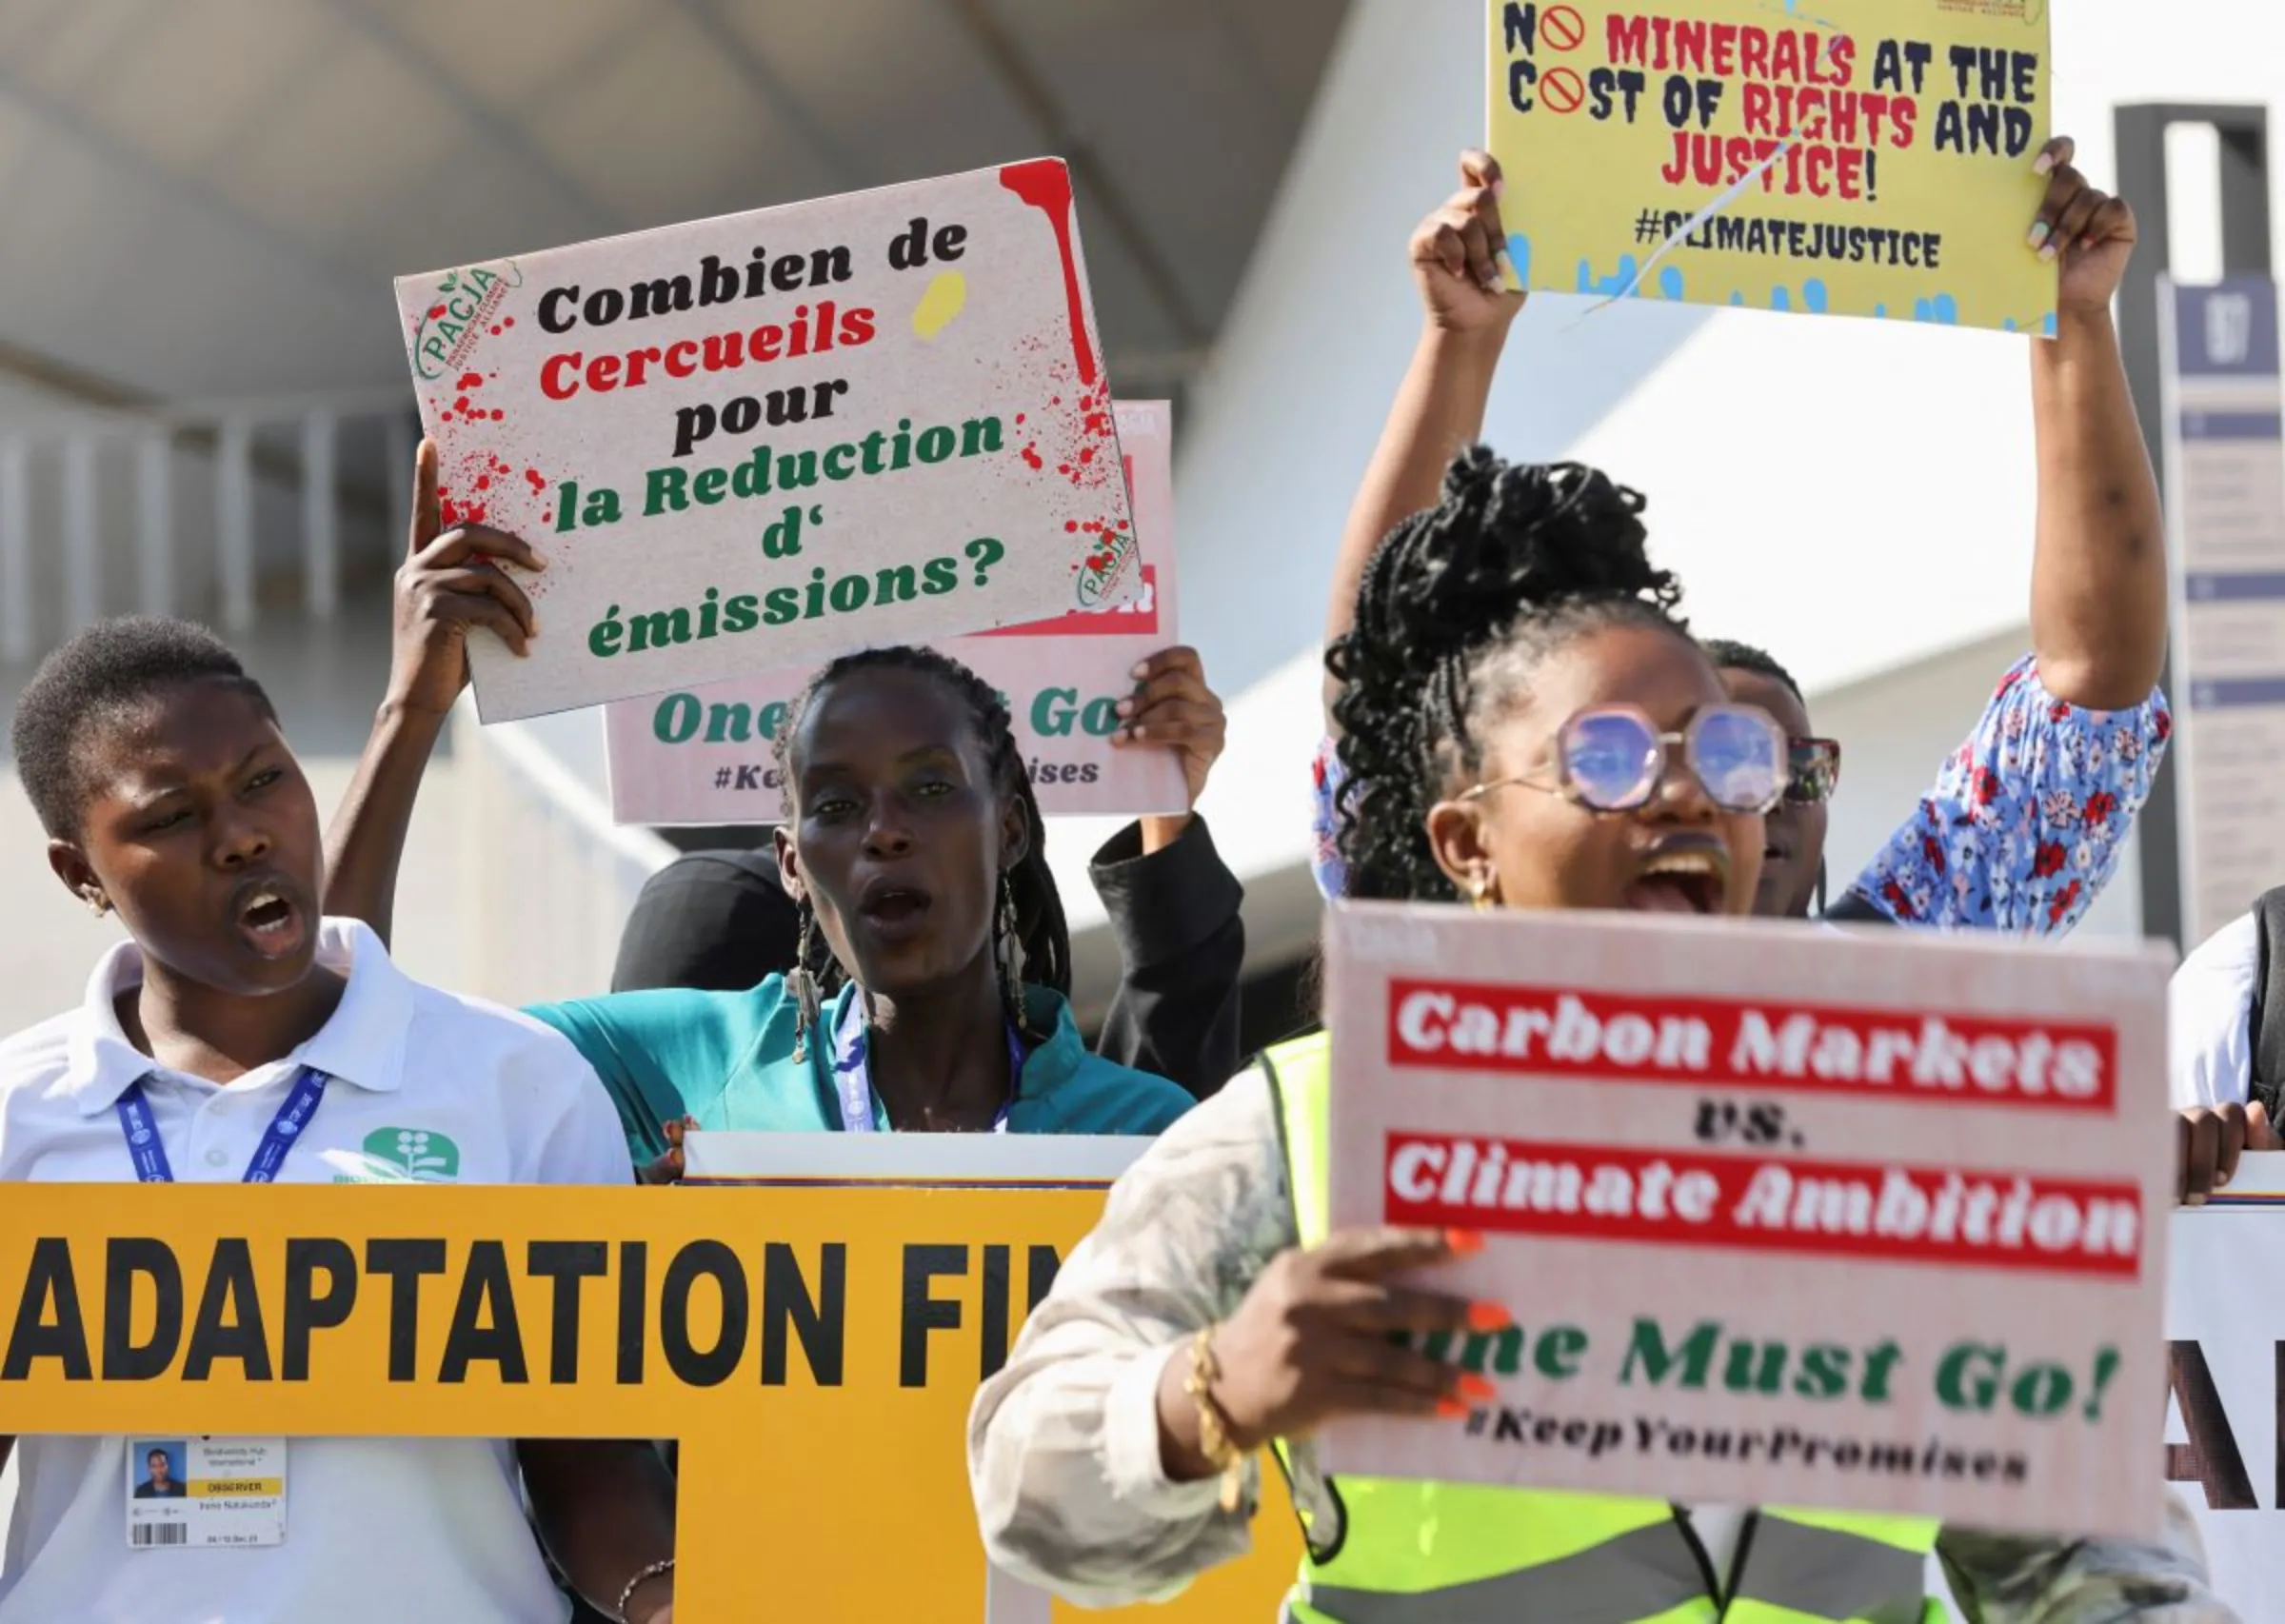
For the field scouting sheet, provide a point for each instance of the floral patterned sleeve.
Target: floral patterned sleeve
(2027, 818)
(1324, 823)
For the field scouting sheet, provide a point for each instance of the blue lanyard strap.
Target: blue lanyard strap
(853, 1075)
(149, 1151)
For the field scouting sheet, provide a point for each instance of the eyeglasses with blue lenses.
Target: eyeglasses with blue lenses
(1614, 758)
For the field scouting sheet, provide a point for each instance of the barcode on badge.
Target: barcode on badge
(159, 1533)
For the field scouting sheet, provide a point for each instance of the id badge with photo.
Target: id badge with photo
(204, 1493)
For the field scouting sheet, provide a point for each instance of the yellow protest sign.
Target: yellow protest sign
(814, 1350)
(1854, 157)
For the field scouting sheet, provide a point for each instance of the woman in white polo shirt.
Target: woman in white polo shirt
(240, 1036)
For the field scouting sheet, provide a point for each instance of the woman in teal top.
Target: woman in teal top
(935, 958)
(725, 1061)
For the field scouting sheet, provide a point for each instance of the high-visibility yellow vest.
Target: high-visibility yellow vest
(1460, 1554)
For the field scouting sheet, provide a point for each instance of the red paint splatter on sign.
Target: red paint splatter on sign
(471, 380)
(1045, 184)
(1076, 435)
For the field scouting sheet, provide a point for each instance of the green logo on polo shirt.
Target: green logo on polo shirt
(414, 1154)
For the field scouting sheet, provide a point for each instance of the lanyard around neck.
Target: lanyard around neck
(853, 1074)
(149, 1151)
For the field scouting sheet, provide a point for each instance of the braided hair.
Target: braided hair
(1041, 930)
(1459, 604)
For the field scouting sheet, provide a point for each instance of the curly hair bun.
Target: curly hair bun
(1457, 604)
(1509, 536)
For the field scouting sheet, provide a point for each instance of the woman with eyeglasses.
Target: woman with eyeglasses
(2027, 820)
(1525, 724)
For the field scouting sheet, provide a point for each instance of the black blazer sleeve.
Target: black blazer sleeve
(1183, 946)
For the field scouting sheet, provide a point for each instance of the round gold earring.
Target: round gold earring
(98, 904)
(1480, 892)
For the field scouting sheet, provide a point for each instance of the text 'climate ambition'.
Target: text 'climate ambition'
(1876, 1212)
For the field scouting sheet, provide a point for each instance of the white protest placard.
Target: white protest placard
(2225, 1325)
(1870, 1223)
(753, 441)
(968, 1162)
(705, 755)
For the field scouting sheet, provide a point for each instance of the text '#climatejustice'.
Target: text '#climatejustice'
(1940, 1058)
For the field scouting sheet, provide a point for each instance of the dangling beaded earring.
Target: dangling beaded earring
(1480, 892)
(802, 984)
(1011, 953)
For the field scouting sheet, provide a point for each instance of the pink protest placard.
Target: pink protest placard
(753, 441)
(705, 755)
(1873, 1221)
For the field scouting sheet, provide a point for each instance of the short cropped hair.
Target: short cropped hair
(1732, 656)
(102, 674)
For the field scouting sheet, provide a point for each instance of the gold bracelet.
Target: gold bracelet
(1214, 1440)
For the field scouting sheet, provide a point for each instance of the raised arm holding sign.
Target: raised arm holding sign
(2028, 821)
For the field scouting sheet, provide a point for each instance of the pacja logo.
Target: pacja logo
(457, 314)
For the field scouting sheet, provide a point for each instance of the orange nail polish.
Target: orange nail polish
(1450, 1410)
(1476, 1387)
(1488, 1316)
(1466, 1242)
